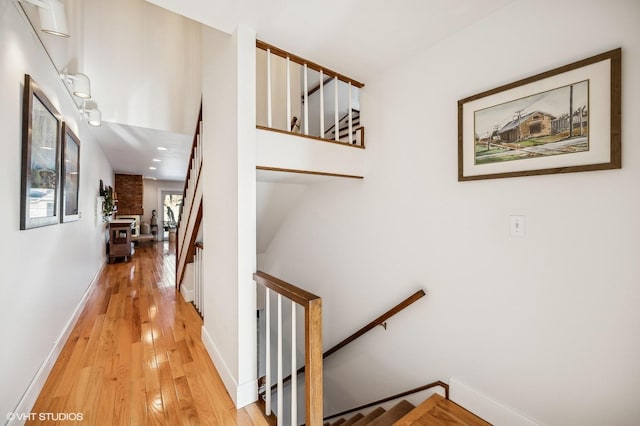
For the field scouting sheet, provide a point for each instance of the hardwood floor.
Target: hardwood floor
(135, 355)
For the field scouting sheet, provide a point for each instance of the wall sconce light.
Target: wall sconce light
(93, 115)
(80, 83)
(52, 17)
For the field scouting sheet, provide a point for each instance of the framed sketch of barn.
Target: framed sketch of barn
(563, 120)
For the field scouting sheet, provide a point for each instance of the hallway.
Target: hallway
(135, 355)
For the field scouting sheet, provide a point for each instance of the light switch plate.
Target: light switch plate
(517, 225)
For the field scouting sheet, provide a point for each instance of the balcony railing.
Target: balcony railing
(297, 96)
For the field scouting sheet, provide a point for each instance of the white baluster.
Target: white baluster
(321, 105)
(280, 385)
(269, 116)
(336, 114)
(289, 95)
(350, 116)
(196, 287)
(267, 363)
(294, 367)
(306, 101)
(201, 285)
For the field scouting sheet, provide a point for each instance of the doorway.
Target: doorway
(171, 205)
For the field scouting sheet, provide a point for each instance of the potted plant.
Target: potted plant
(108, 202)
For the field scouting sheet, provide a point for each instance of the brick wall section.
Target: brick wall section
(129, 190)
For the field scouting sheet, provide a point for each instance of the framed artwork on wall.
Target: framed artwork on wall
(41, 125)
(564, 120)
(70, 175)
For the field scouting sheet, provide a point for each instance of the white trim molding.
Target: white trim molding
(30, 396)
(490, 410)
(242, 394)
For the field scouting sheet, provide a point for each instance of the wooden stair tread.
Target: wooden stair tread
(394, 413)
(370, 417)
(437, 410)
(353, 419)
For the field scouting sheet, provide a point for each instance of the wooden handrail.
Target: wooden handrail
(391, 398)
(376, 322)
(313, 340)
(193, 150)
(290, 291)
(298, 60)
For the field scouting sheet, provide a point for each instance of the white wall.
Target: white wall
(45, 271)
(291, 152)
(278, 90)
(546, 324)
(162, 58)
(229, 220)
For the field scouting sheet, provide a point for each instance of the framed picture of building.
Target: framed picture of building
(70, 175)
(564, 120)
(40, 159)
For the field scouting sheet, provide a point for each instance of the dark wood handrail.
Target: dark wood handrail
(298, 60)
(317, 87)
(376, 322)
(193, 151)
(373, 324)
(391, 398)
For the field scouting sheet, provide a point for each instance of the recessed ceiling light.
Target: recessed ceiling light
(162, 148)
(152, 168)
(156, 160)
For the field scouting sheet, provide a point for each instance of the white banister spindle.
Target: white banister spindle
(350, 140)
(306, 101)
(201, 284)
(200, 281)
(269, 115)
(336, 114)
(267, 344)
(289, 94)
(196, 287)
(294, 367)
(280, 386)
(321, 104)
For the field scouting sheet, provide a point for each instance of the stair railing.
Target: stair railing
(380, 321)
(347, 128)
(312, 305)
(391, 398)
(191, 209)
(325, 76)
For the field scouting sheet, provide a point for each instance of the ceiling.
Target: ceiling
(359, 38)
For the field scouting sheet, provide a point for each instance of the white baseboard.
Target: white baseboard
(242, 394)
(490, 410)
(187, 294)
(35, 387)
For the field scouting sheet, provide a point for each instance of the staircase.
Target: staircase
(436, 411)
(191, 209)
(343, 128)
